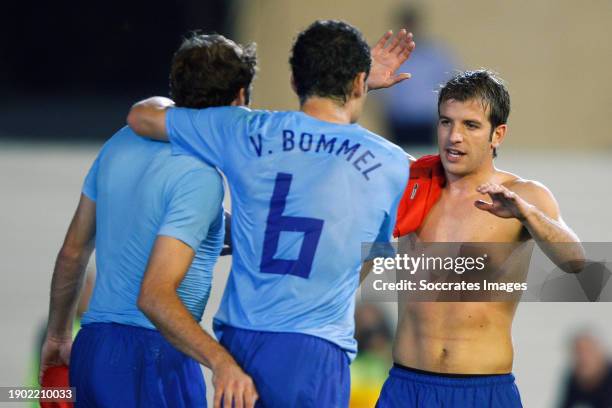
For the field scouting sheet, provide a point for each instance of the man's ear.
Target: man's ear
(498, 136)
(241, 98)
(359, 85)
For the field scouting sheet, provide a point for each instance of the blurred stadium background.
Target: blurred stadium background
(70, 71)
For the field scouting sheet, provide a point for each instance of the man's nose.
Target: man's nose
(455, 135)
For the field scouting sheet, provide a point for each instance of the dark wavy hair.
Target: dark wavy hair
(209, 70)
(480, 84)
(325, 59)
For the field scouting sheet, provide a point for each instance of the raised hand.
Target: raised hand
(387, 57)
(504, 203)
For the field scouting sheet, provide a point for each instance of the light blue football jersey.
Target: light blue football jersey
(305, 195)
(141, 191)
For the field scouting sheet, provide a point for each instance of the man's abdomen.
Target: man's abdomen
(460, 338)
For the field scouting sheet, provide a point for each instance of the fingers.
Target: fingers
(496, 189)
(405, 47)
(228, 396)
(396, 44)
(410, 45)
(483, 205)
(238, 400)
(407, 44)
(401, 77)
(217, 398)
(488, 188)
(239, 393)
(247, 395)
(383, 40)
(251, 397)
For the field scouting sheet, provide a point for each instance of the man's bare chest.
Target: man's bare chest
(458, 220)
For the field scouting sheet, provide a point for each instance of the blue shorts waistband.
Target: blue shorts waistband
(126, 328)
(233, 329)
(451, 380)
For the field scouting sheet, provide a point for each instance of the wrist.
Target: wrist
(219, 360)
(528, 214)
(58, 337)
(371, 86)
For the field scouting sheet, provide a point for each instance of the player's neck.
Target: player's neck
(327, 110)
(467, 183)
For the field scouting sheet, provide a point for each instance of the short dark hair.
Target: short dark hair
(479, 84)
(209, 70)
(326, 58)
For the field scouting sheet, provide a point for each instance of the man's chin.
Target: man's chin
(456, 169)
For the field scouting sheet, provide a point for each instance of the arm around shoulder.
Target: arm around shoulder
(148, 117)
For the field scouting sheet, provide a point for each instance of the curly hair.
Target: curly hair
(325, 59)
(209, 70)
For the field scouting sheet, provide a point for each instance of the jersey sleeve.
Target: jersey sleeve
(382, 246)
(193, 206)
(401, 175)
(90, 185)
(216, 232)
(213, 244)
(386, 229)
(206, 133)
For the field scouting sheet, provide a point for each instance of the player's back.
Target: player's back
(305, 195)
(140, 187)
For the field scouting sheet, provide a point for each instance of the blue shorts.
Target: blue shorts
(116, 365)
(410, 388)
(291, 369)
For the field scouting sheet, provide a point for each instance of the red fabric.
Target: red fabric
(422, 192)
(56, 377)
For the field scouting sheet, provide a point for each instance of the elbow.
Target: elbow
(152, 301)
(135, 121)
(71, 253)
(145, 304)
(574, 266)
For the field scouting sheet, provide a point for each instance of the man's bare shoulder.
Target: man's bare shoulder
(532, 191)
(522, 186)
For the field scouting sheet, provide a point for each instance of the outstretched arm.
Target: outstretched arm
(387, 58)
(536, 208)
(148, 117)
(68, 278)
(168, 264)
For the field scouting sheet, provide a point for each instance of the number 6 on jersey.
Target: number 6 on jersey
(277, 223)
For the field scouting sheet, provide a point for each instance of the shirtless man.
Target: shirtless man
(460, 354)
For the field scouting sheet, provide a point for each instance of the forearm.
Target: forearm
(147, 117)
(165, 309)
(556, 239)
(66, 284)
(365, 270)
